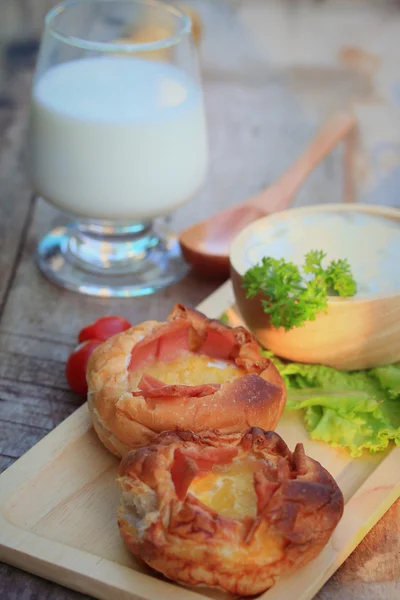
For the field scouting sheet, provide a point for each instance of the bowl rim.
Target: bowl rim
(373, 209)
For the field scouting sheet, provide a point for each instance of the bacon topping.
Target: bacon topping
(264, 488)
(208, 457)
(188, 463)
(183, 470)
(189, 330)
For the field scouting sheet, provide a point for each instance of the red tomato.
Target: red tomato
(75, 370)
(104, 328)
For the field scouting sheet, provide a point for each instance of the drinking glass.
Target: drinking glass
(117, 137)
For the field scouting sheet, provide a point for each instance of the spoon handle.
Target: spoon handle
(280, 194)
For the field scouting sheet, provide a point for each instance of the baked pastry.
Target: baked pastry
(188, 373)
(234, 512)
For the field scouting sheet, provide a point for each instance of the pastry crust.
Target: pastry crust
(298, 506)
(126, 418)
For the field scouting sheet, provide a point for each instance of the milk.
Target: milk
(370, 243)
(117, 138)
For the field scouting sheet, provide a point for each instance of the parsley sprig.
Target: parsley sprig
(294, 296)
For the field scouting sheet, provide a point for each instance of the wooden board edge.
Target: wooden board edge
(74, 568)
(222, 300)
(362, 511)
(216, 304)
(50, 445)
(82, 571)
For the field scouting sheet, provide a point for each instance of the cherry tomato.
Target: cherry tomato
(75, 370)
(103, 328)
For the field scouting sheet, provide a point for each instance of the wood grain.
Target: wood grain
(16, 197)
(60, 501)
(269, 82)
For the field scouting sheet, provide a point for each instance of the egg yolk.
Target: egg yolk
(191, 369)
(229, 489)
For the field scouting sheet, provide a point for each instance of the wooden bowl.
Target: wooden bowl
(355, 333)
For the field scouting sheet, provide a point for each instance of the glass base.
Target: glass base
(110, 261)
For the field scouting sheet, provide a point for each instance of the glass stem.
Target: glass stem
(110, 248)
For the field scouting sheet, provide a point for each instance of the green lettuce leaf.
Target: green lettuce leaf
(389, 379)
(357, 410)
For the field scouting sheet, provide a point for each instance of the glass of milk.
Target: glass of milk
(117, 137)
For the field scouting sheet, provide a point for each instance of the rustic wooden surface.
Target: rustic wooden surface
(272, 71)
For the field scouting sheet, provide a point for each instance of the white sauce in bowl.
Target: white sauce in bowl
(371, 244)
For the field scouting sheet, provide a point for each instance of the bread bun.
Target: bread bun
(234, 511)
(188, 373)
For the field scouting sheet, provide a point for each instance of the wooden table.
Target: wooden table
(272, 71)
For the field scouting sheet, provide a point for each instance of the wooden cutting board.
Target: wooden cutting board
(58, 509)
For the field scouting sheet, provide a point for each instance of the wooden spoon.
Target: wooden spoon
(206, 245)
